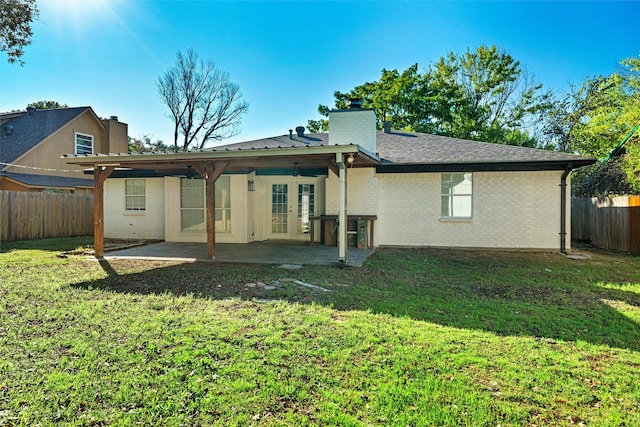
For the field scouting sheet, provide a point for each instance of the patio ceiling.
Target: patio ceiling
(234, 161)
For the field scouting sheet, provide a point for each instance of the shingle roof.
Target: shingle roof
(413, 148)
(48, 180)
(28, 130)
(420, 148)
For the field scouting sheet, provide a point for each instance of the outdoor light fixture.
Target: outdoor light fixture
(189, 172)
(350, 159)
(251, 185)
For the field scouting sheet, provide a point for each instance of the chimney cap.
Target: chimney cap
(114, 118)
(355, 103)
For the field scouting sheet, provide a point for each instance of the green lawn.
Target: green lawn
(414, 338)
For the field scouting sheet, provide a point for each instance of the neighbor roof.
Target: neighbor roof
(48, 180)
(22, 131)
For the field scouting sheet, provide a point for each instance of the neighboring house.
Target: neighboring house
(33, 141)
(413, 189)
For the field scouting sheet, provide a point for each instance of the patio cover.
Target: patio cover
(210, 164)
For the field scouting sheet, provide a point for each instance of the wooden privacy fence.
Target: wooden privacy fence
(26, 216)
(607, 222)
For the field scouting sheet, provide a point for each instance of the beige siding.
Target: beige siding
(115, 137)
(510, 210)
(47, 154)
(120, 224)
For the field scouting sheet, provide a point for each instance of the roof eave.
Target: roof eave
(522, 166)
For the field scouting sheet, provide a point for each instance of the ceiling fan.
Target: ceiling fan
(312, 173)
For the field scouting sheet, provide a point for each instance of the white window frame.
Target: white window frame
(84, 135)
(450, 196)
(141, 207)
(221, 227)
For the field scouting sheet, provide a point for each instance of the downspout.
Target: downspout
(563, 209)
(342, 209)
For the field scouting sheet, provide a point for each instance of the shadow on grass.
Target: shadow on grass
(510, 294)
(53, 244)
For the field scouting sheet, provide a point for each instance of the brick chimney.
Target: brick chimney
(354, 125)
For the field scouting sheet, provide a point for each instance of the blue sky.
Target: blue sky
(290, 56)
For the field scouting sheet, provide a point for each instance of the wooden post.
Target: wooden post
(100, 174)
(210, 172)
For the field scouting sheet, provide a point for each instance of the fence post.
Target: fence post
(634, 225)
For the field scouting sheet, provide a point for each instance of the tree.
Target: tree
(143, 144)
(204, 104)
(593, 119)
(16, 17)
(393, 98)
(483, 95)
(47, 105)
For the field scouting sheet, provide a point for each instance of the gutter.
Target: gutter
(521, 166)
(563, 209)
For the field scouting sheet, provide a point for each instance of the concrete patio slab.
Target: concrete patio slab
(269, 252)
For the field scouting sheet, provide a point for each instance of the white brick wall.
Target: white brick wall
(362, 192)
(120, 224)
(510, 210)
(353, 127)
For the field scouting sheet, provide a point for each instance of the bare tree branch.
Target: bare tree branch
(203, 103)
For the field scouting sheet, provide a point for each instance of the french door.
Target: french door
(292, 202)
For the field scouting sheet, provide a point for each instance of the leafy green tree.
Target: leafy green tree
(592, 120)
(16, 17)
(47, 105)
(394, 99)
(144, 144)
(483, 95)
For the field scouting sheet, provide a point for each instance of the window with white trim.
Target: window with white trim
(456, 195)
(193, 207)
(84, 143)
(135, 199)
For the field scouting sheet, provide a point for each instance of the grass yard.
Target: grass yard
(414, 338)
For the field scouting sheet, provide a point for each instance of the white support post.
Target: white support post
(342, 210)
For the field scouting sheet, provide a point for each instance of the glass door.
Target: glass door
(306, 207)
(290, 209)
(280, 211)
